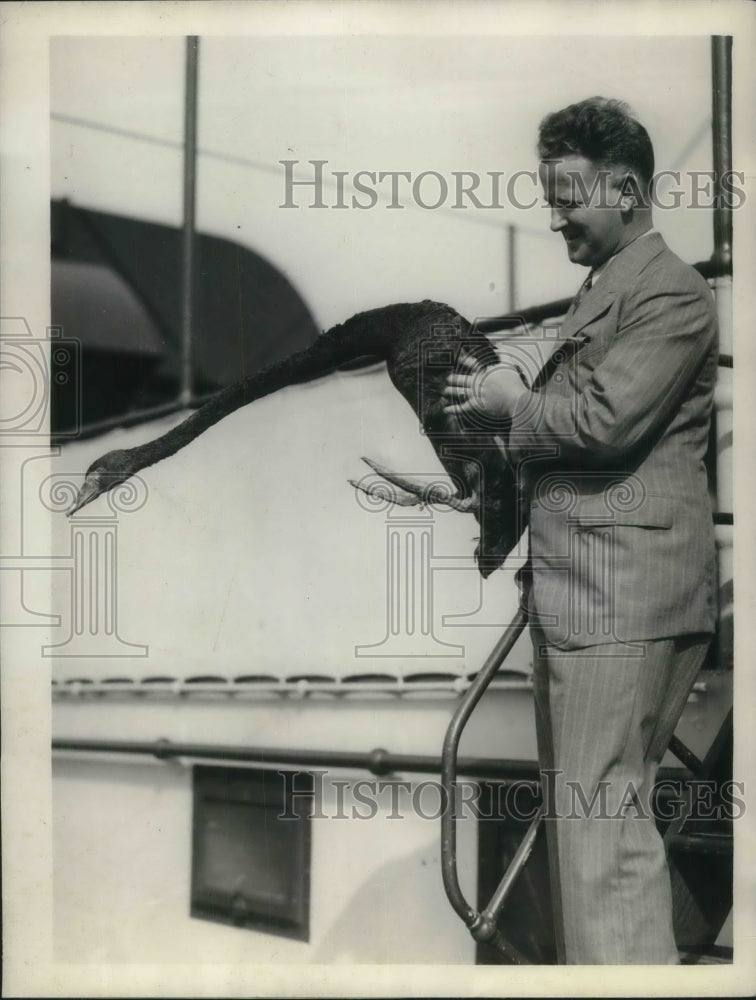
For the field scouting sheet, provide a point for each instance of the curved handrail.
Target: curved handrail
(482, 926)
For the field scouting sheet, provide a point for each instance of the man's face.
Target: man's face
(584, 202)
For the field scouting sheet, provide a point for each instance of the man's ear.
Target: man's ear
(629, 196)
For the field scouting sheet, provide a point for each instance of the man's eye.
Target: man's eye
(562, 206)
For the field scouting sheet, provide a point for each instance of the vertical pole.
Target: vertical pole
(721, 73)
(721, 80)
(188, 240)
(512, 265)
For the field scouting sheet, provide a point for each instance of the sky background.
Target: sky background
(367, 102)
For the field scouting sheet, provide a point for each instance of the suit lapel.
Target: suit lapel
(619, 272)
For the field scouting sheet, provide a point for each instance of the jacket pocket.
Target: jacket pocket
(650, 511)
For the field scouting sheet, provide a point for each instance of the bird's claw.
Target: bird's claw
(416, 493)
(396, 495)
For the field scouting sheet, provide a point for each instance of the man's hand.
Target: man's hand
(493, 392)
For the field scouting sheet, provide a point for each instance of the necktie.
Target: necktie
(559, 354)
(582, 291)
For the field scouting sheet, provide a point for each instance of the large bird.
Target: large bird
(420, 344)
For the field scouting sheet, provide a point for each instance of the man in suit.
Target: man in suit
(609, 442)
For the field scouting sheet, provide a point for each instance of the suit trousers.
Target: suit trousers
(604, 718)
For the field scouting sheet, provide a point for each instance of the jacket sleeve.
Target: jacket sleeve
(666, 330)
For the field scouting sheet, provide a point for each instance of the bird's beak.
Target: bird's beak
(88, 492)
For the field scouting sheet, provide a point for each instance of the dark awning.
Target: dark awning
(116, 289)
(96, 307)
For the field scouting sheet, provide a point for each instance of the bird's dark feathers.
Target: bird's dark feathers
(420, 344)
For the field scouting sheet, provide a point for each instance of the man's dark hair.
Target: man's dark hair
(602, 130)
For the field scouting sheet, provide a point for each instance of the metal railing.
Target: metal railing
(482, 925)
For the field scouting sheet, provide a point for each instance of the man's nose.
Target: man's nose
(558, 220)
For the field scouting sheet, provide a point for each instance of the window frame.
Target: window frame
(254, 788)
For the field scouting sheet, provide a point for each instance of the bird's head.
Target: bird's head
(102, 475)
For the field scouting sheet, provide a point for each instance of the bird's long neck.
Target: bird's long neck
(340, 345)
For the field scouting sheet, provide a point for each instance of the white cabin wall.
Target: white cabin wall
(252, 554)
(122, 856)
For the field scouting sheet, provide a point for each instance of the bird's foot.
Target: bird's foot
(415, 492)
(390, 492)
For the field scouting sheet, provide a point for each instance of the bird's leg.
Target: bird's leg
(379, 491)
(438, 493)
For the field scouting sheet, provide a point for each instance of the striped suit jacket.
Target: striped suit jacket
(611, 458)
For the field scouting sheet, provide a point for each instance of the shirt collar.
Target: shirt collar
(598, 271)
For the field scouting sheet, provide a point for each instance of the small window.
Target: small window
(251, 851)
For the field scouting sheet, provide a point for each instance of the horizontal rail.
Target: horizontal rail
(378, 761)
(133, 417)
(531, 314)
(253, 686)
(708, 269)
(703, 843)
